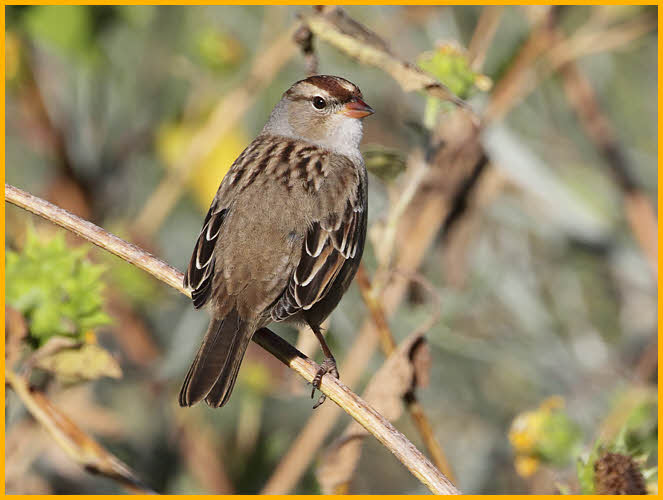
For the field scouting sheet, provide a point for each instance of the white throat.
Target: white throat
(343, 137)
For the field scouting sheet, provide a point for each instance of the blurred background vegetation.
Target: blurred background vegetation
(540, 270)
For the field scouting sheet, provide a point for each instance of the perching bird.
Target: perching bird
(285, 232)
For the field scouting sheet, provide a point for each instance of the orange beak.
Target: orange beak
(357, 109)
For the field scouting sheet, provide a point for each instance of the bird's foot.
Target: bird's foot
(327, 366)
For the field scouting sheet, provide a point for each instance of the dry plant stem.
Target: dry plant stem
(309, 439)
(422, 422)
(198, 444)
(646, 366)
(416, 176)
(639, 209)
(93, 233)
(358, 409)
(335, 390)
(420, 227)
(335, 27)
(225, 115)
(584, 43)
(74, 441)
(389, 345)
(518, 80)
(545, 40)
(304, 39)
(483, 35)
(387, 340)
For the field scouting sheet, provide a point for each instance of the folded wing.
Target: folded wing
(329, 243)
(200, 272)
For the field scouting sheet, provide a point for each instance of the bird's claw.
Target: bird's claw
(327, 366)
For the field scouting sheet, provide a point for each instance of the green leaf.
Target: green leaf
(585, 471)
(68, 27)
(55, 287)
(450, 66)
(384, 163)
(560, 439)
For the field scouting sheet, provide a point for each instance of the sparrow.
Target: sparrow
(284, 235)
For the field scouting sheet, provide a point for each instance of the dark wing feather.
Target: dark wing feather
(328, 245)
(200, 272)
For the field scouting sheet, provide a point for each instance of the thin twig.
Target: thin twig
(639, 210)
(416, 174)
(304, 39)
(546, 41)
(584, 43)
(388, 343)
(419, 227)
(72, 439)
(198, 442)
(310, 437)
(335, 27)
(518, 80)
(364, 414)
(352, 404)
(483, 35)
(93, 233)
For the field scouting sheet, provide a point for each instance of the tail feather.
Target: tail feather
(220, 393)
(217, 361)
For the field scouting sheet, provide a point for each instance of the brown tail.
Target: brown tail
(214, 370)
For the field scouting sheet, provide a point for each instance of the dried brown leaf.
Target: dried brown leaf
(339, 463)
(406, 368)
(78, 363)
(421, 361)
(52, 346)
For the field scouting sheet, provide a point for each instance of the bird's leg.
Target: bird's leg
(328, 365)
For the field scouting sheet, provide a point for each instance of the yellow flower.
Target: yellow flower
(545, 435)
(525, 431)
(526, 466)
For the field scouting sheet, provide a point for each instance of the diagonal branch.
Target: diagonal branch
(80, 446)
(638, 207)
(389, 345)
(334, 26)
(352, 404)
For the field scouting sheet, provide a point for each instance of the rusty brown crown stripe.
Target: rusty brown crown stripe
(344, 92)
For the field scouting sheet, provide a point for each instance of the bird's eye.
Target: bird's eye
(319, 102)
